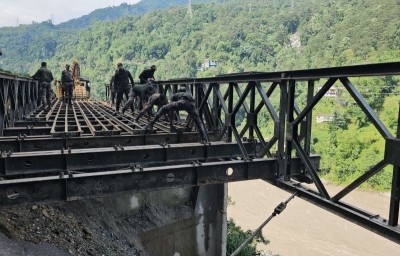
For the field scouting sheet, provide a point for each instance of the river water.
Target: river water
(306, 229)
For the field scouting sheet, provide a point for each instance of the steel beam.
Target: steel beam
(115, 157)
(45, 143)
(362, 103)
(381, 69)
(394, 207)
(367, 220)
(392, 151)
(79, 186)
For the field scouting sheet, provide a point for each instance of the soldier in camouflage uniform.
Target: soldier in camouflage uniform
(45, 77)
(156, 99)
(67, 83)
(181, 100)
(121, 80)
(143, 91)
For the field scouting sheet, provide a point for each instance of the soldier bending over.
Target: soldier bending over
(156, 99)
(181, 101)
(143, 91)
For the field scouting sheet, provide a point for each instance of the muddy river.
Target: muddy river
(305, 229)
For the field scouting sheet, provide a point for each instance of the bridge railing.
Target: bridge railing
(18, 97)
(220, 99)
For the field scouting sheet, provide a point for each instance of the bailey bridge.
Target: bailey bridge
(84, 151)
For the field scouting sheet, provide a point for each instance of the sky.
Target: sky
(16, 12)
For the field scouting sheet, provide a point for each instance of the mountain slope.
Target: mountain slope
(123, 10)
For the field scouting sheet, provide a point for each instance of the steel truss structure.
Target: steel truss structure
(84, 151)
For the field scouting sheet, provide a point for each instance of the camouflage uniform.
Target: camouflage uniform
(182, 101)
(143, 91)
(67, 83)
(45, 77)
(122, 77)
(156, 99)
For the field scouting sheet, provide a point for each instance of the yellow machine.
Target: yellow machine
(81, 85)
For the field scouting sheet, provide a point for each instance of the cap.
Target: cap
(153, 67)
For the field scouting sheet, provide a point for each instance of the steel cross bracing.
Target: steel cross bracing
(220, 98)
(84, 151)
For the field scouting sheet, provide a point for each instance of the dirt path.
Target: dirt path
(305, 229)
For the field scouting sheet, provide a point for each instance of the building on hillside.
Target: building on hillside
(322, 118)
(333, 91)
(207, 64)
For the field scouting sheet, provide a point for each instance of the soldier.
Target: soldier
(156, 99)
(147, 76)
(45, 77)
(181, 100)
(121, 80)
(67, 84)
(143, 91)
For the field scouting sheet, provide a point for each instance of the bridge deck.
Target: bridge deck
(80, 151)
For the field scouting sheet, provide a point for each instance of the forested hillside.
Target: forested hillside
(256, 35)
(123, 10)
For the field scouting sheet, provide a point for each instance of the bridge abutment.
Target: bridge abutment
(182, 221)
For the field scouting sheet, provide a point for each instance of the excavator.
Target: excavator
(81, 85)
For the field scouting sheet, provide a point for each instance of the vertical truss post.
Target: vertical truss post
(291, 131)
(107, 95)
(307, 138)
(36, 94)
(282, 126)
(198, 96)
(12, 90)
(251, 120)
(191, 88)
(395, 191)
(230, 108)
(215, 106)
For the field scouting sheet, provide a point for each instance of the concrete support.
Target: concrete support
(179, 229)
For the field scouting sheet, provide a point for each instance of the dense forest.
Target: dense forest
(241, 36)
